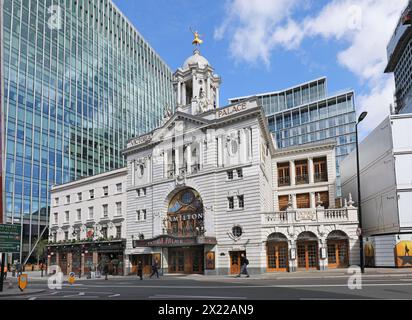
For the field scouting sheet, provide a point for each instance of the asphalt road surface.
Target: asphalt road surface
(204, 288)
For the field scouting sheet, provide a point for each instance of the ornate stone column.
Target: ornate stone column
(189, 158)
(292, 173)
(311, 171)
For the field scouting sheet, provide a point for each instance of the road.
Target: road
(227, 288)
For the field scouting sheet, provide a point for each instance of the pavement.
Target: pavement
(376, 284)
(381, 272)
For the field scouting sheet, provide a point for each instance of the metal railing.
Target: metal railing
(321, 177)
(284, 182)
(302, 179)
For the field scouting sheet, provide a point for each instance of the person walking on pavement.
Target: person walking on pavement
(155, 266)
(244, 262)
(106, 271)
(140, 270)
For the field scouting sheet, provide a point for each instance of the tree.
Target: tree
(41, 250)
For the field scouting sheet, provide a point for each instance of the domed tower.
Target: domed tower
(196, 85)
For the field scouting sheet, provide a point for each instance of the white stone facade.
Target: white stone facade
(227, 156)
(80, 206)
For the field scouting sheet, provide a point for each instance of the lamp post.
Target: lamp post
(360, 232)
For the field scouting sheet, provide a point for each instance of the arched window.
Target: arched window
(185, 214)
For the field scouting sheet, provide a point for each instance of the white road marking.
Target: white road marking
(114, 295)
(32, 298)
(262, 286)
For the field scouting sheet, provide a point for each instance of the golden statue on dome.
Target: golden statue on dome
(197, 41)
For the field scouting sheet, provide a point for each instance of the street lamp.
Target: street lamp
(360, 233)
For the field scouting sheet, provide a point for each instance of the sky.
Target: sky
(259, 46)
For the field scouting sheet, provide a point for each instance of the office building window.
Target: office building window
(230, 175)
(144, 214)
(119, 187)
(56, 201)
(66, 235)
(67, 216)
(56, 218)
(68, 199)
(105, 191)
(240, 173)
(91, 194)
(79, 196)
(79, 214)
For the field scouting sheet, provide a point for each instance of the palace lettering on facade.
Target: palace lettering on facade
(210, 184)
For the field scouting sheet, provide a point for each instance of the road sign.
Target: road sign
(10, 238)
(71, 278)
(22, 281)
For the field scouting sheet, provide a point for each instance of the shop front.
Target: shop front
(86, 257)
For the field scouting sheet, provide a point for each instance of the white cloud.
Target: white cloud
(258, 27)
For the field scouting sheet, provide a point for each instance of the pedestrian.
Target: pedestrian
(244, 262)
(19, 269)
(5, 271)
(155, 267)
(106, 271)
(140, 270)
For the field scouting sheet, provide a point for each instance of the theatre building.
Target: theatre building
(209, 184)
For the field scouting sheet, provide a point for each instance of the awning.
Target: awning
(166, 241)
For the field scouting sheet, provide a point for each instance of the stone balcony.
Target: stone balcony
(310, 216)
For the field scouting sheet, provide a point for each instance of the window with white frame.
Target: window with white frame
(79, 214)
(91, 213)
(105, 210)
(67, 199)
(231, 203)
(67, 216)
(91, 194)
(239, 173)
(56, 201)
(230, 175)
(66, 235)
(138, 215)
(119, 187)
(144, 214)
(79, 196)
(118, 208)
(105, 191)
(241, 201)
(56, 218)
(118, 232)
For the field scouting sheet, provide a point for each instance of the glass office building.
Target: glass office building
(306, 114)
(79, 81)
(400, 61)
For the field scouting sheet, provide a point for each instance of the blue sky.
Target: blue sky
(266, 45)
